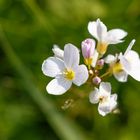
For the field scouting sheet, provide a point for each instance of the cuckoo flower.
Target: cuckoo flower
(107, 101)
(89, 53)
(125, 64)
(130, 62)
(116, 67)
(99, 31)
(65, 72)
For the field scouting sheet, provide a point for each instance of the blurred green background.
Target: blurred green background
(28, 30)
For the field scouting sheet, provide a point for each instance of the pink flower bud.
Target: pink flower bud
(88, 47)
(96, 80)
(100, 63)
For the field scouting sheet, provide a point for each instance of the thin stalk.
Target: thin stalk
(105, 74)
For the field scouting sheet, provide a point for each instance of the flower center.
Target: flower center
(102, 48)
(117, 67)
(69, 74)
(103, 99)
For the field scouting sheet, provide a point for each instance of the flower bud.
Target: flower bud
(102, 48)
(100, 64)
(91, 72)
(96, 80)
(88, 47)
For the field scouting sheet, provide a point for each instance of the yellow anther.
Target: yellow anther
(117, 67)
(69, 74)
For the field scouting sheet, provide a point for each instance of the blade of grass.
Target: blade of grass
(65, 128)
(38, 14)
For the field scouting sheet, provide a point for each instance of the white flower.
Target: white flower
(65, 72)
(89, 52)
(125, 64)
(130, 62)
(58, 52)
(107, 102)
(99, 31)
(116, 67)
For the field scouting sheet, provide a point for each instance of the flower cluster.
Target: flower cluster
(64, 66)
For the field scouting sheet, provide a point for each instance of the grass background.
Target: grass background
(28, 30)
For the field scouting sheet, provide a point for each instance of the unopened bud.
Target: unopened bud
(96, 80)
(88, 47)
(91, 72)
(100, 63)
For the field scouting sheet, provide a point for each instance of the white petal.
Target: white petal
(125, 63)
(131, 63)
(110, 59)
(94, 96)
(81, 75)
(108, 106)
(101, 30)
(92, 28)
(132, 56)
(104, 108)
(113, 102)
(105, 88)
(52, 66)
(58, 86)
(135, 72)
(114, 97)
(114, 36)
(134, 61)
(129, 46)
(121, 76)
(58, 52)
(95, 58)
(71, 55)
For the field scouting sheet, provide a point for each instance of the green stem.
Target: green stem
(105, 74)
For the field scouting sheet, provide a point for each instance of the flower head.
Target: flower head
(130, 62)
(65, 72)
(125, 64)
(99, 31)
(116, 68)
(107, 101)
(65, 69)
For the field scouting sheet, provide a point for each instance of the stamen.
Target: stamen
(117, 67)
(103, 99)
(69, 74)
